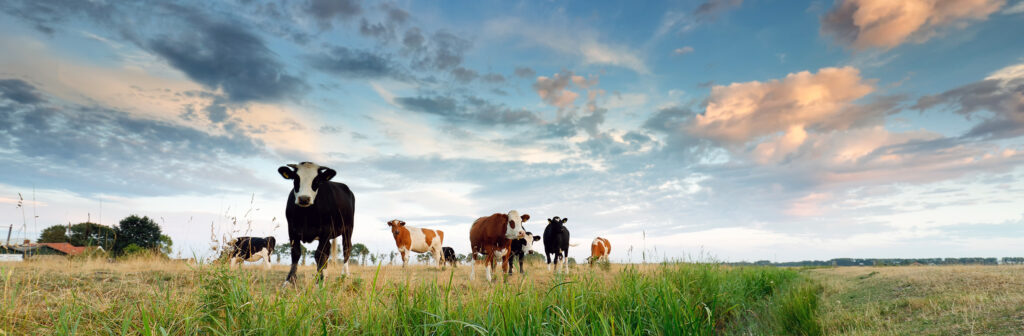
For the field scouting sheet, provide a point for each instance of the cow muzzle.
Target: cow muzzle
(303, 201)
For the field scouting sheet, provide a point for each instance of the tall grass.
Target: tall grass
(666, 299)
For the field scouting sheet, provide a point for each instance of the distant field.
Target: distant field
(922, 300)
(160, 297)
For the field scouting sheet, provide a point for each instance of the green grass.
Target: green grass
(670, 299)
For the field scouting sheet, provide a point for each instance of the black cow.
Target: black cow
(449, 256)
(556, 241)
(520, 247)
(317, 209)
(251, 249)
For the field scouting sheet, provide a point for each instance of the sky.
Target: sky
(719, 130)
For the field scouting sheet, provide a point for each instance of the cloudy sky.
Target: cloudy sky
(725, 129)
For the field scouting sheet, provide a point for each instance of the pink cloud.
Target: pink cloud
(864, 24)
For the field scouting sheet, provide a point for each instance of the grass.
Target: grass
(921, 300)
(160, 297)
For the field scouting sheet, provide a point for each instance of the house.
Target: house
(43, 249)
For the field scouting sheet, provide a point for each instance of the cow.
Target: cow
(520, 247)
(317, 209)
(599, 250)
(449, 256)
(412, 239)
(556, 242)
(492, 237)
(251, 249)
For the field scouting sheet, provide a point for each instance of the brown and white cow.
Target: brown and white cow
(492, 236)
(599, 250)
(412, 239)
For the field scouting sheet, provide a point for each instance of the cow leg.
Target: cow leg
(232, 261)
(489, 261)
(472, 265)
(565, 261)
(438, 256)
(405, 256)
(322, 255)
(346, 241)
(547, 256)
(521, 257)
(266, 258)
(296, 255)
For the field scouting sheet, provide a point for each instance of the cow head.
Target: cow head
(557, 221)
(395, 224)
(514, 228)
(271, 243)
(530, 238)
(308, 178)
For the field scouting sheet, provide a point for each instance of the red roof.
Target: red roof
(65, 247)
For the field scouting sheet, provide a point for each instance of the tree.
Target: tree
(286, 249)
(360, 250)
(141, 231)
(166, 245)
(53, 234)
(91, 234)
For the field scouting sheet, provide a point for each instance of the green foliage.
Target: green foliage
(53, 234)
(797, 310)
(140, 231)
(132, 249)
(91, 234)
(166, 245)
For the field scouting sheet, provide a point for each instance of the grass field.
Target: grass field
(152, 296)
(162, 297)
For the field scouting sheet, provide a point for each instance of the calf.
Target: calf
(492, 237)
(556, 242)
(251, 249)
(599, 250)
(317, 209)
(449, 256)
(412, 239)
(520, 247)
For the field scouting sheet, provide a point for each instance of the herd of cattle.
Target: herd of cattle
(320, 209)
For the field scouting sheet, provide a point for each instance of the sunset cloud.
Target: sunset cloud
(863, 24)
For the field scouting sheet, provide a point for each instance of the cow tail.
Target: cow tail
(334, 249)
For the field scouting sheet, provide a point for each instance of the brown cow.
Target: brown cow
(492, 236)
(599, 250)
(412, 239)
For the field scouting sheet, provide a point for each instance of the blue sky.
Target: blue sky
(739, 130)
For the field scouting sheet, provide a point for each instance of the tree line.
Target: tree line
(132, 235)
(888, 262)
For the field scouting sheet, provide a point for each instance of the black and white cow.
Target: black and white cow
(520, 247)
(556, 242)
(317, 209)
(449, 256)
(251, 249)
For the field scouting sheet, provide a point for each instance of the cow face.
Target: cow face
(308, 177)
(530, 239)
(395, 224)
(514, 228)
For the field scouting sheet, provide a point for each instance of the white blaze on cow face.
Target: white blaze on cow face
(530, 239)
(308, 177)
(514, 228)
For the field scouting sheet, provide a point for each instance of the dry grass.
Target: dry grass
(922, 300)
(156, 296)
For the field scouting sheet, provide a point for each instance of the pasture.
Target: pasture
(152, 296)
(161, 297)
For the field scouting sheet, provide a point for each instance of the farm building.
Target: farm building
(43, 249)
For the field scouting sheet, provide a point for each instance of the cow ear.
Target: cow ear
(536, 238)
(526, 217)
(402, 223)
(566, 219)
(286, 173)
(327, 173)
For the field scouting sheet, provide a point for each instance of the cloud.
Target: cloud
(998, 100)
(683, 50)
(361, 64)
(863, 24)
(708, 10)
(463, 75)
(19, 91)
(443, 51)
(1015, 9)
(469, 110)
(579, 41)
(93, 150)
(326, 11)
(555, 91)
(744, 112)
(493, 78)
(525, 72)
